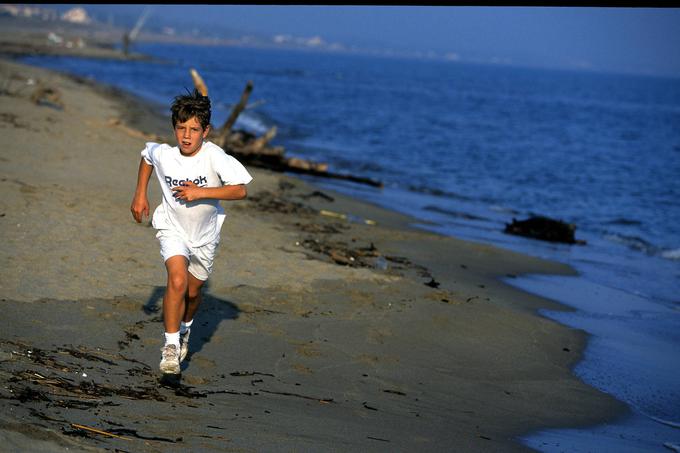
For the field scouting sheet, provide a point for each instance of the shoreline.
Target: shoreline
(469, 297)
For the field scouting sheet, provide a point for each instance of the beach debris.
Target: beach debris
(341, 253)
(370, 408)
(325, 228)
(8, 81)
(318, 194)
(379, 439)
(46, 386)
(400, 263)
(174, 382)
(198, 82)
(395, 392)
(236, 111)
(81, 353)
(48, 96)
(256, 151)
(12, 119)
(249, 373)
(545, 229)
(297, 395)
(351, 218)
(399, 260)
(97, 431)
(115, 433)
(274, 202)
(381, 263)
(130, 332)
(56, 376)
(306, 165)
(433, 283)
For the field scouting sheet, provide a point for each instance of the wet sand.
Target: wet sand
(317, 333)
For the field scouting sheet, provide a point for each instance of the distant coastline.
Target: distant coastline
(96, 39)
(31, 35)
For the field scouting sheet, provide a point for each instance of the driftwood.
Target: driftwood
(257, 151)
(47, 95)
(545, 229)
(258, 145)
(97, 431)
(198, 82)
(236, 111)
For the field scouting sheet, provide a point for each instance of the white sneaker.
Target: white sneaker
(184, 344)
(170, 359)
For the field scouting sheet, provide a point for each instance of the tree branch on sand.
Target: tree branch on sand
(257, 151)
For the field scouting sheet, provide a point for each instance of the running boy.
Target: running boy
(194, 177)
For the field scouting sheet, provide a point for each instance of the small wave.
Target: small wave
(633, 242)
(438, 192)
(672, 446)
(351, 165)
(362, 167)
(639, 244)
(504, 210)
(670, 423)
(671, 254)
(623, 221)
(457, 214)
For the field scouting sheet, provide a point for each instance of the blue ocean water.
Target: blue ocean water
(467, 148)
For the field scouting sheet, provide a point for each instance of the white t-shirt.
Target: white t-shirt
(198, 222)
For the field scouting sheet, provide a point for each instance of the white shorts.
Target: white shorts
(200, 258)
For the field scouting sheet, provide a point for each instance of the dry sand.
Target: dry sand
(291, 351)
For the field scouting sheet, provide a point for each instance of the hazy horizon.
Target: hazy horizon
(608, 39)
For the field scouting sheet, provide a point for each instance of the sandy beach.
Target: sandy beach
(318, 332)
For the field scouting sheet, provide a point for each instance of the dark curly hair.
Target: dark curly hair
(189, 105)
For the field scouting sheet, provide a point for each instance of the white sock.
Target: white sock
(172, 338)
(184, 326)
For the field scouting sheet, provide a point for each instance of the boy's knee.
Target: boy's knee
(193, 293)
(178, 282)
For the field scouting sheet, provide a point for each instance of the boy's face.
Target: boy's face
(190, 136)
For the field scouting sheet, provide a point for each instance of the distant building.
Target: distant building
(27, 11)
(282, 39)
(314, 41)
(76, 16)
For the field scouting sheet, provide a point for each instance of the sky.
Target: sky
(610, 39)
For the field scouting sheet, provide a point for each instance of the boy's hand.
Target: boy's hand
(140, 208)
(188, 191)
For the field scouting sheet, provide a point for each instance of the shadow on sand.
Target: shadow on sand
(211, 313)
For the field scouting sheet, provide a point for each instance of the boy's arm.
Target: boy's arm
(140, 202)
(191, 192)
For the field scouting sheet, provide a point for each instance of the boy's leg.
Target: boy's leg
(173, 300)
(193, 297)
(199, 268)
(173, 310)
(192, 300)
